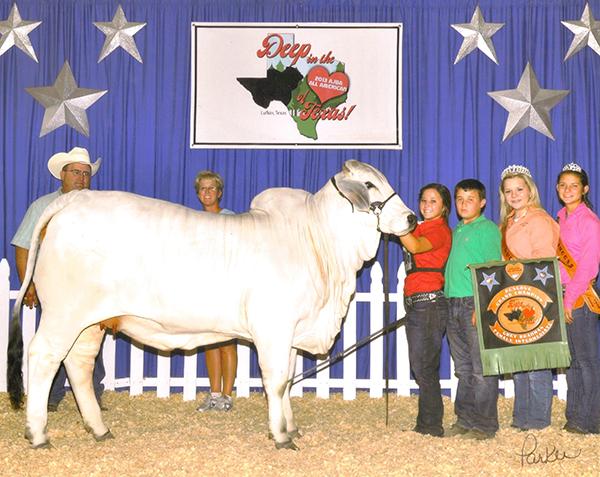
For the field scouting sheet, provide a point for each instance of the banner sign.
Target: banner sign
(304, 85)
(520, 317)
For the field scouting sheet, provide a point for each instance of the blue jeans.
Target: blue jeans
(533, 399)
(58, 390)
(476, 403)
(583, 377)
(425, 327)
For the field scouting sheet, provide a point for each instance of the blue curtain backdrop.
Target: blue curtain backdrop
(451, 128)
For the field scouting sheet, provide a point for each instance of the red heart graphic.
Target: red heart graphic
(325, 85)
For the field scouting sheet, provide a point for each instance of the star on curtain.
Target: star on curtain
(587, 32)
(477, 34)
(119, 32)
(15, 32)
(65, 102)
(528, 105)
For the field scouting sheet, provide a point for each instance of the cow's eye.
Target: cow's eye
(369, 185)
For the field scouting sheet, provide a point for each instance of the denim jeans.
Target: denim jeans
(533, 399)
(58, 390)
(476, 403)
(583, 377)
(425, 327)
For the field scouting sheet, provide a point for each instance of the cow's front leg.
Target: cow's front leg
(43, 362)
(291, 427)
(79, 364)
(274, 359)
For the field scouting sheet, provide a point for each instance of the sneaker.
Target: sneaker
(573, 429)
(479, 435)
(224, 403)
(429, 432)
(209, 404)
(456, 430)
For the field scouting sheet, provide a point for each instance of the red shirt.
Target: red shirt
(440, 236)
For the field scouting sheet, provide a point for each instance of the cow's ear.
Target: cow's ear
(350, 165)
(355, 191)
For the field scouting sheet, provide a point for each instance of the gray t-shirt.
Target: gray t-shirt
(23, 235)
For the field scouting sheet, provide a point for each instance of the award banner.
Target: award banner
(520, 318)
(305, 85)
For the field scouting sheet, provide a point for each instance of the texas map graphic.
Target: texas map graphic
(312, 88)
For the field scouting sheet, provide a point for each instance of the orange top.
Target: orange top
(533, 236)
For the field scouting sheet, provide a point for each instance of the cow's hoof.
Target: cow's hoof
(286, 445)
(43, 445)
(294, 434)
(104, 437)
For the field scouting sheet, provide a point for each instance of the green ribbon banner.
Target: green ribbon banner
(520, 317)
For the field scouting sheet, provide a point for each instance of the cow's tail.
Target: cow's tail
(14, 374)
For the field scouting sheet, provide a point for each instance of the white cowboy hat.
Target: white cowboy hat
(77, 154)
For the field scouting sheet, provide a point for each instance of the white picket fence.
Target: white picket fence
(322, 382)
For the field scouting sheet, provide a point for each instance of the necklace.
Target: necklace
(516, 218)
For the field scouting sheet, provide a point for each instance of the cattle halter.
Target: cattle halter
(375, 207)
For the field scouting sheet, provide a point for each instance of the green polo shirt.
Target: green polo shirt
(475, 242)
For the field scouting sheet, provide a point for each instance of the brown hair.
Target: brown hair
(583, 178)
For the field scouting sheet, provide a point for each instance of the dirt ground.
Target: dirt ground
(167, 437)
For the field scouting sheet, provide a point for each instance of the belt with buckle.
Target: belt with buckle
(423, 297)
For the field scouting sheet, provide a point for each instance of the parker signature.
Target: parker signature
(530, 454)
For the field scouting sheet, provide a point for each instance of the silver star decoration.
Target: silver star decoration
(15, 32)
(528, 105)
(477, 34)
(489, 280)
(542, 275)
(587, 32)
(119, 32)
(65, 102)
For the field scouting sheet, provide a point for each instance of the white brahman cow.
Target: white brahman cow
(282, 276)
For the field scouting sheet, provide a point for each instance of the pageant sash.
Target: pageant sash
(589, 297)
(519, 315)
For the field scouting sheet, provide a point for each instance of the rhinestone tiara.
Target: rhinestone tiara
(571, 166)
(515, 169)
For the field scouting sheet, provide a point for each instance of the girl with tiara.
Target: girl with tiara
(527, 232)
(580, 239)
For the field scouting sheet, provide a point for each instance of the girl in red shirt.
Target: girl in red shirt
(426, 250)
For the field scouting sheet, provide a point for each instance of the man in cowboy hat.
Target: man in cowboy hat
(74, 170)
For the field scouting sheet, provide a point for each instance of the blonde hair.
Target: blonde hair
(505, 209)
(208, 175)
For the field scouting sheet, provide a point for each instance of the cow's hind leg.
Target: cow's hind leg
(79, 364)
(274, 358)
(44, 358)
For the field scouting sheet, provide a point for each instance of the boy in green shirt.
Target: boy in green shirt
(474, 240)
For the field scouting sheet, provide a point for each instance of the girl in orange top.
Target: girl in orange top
(528, 232)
